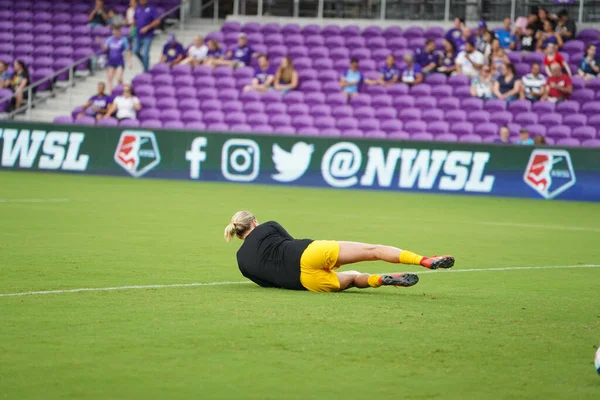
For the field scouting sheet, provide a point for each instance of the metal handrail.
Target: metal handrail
(70, 68)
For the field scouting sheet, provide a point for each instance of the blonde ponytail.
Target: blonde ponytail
(240, 223)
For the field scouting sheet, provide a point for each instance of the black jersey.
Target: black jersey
(270, 257)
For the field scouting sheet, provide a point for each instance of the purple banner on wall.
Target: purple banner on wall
(564, 1)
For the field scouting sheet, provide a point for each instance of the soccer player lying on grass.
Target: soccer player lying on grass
(270, 257)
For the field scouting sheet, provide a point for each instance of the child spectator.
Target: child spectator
(483, 84)
(115, 46)
(97, 105)
(98, 16)
(486, 46)
(427, 59)
(20, 80)
(565, 27)
(263, 75)
(528, 42)
(447, 58)
(469, 61)
(552, 56)
(533, 85)
(197, 52)
(411, 75)
(589, 68)
(286, 77)
(352, 79)
(5, 75)
(508, 86)
(126, 106)
(548, 36)
(558, 86)
(524, 138)
(507, 39)
(504, 136)
(389, 73)
(173, 52)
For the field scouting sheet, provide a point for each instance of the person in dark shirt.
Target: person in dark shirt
(271, 257)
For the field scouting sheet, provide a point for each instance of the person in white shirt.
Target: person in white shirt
(482, 85)
(533, 85)
(469, 61)
(126, 106)
(196, 53)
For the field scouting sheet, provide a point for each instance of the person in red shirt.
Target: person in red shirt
(558, 86)
(552, 56)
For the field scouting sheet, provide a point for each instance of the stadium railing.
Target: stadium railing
(32, 100)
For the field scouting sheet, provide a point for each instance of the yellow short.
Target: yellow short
(317, 264)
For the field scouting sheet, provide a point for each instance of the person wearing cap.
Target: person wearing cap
(146, 21)
(240, 56)
(173, 52)
(469, 61)
(507, 39)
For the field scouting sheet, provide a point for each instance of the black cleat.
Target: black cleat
(405, 280)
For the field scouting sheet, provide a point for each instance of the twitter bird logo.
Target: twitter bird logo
(291, 165)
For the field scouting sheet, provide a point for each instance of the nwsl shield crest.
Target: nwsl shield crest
(137, 152)
(549, 172)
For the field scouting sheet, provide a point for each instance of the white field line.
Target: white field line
(4, 201)
(106, 289)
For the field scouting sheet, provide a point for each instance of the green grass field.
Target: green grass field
(513, 334)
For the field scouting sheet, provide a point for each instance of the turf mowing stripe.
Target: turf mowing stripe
(247, 282)
(2, 201)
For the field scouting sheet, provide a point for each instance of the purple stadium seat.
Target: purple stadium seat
(385, 113)
(166, 103)
(211, 105)
(218, 127)
(434, 33)
(493, 105)
(454, 116)
(298, 109)
(40, 74)
(441, 91)
(550, 119)
(375, 134)
(591, 143)
(470, 139)
(262, 129)
(501, 117)
(472, 104)
(372, 31)
(515, 57)
(446, 137)
(478, 117)
(567, 107)
(462, 92)
(432, 114)
(438, 127)
(391, 126)
(211, 117)
(251, 27)
(347, 123)
(314, 41)
(332, 42)
(276, 108)
(422, 136)
(448, 103)
(377, 42)
(591, 109)
(578, 82)
(231, 27)
(65, 120)
(458, 80)
(240, 128)
(519, 106)
(341, 111)
(487, 129)
(151, 124)
(526, 118)
(382, 100)
(353, 133)
(170, 115)
(108, 122)
(558, 131)
(575, 120)
(302, 121)
(320, 110)
(421, 90)
(191, 116)
(257, 119)
(397, 43)
(350, 30)
(536, 129)
(461, 128)
(232, 106)
(415, 126)
(409, 114)
(543, 107)
(364, 112)
(392, 32)
(583, 95)
(280, 120)
(284, 130)
(398, 135)
(584, 133)
(324, 122)
(311, 29)
(425, 102)
(398, 89)
(572, 142)
(331, 30)
(148, 113)
(85, 120)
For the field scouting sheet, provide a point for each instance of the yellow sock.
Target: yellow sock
(374, 280)
(408, 257)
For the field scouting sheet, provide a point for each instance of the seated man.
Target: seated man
(558, 86)
(454, 35)
(97, 105)
(411, 75)
(469, 61)
(240, 56)
(532, 88)
(507, 39)
(196, 53)
(173, 52)
(263, 75)
(428, 59)
(389, 73)
(524, 137)
(565, 26)
(352, 79)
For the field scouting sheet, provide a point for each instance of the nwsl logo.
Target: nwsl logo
(549, 172)
(137, 152)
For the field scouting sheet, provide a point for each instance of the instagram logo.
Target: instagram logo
(240, 160)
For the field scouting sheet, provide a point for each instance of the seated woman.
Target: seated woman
(447, 63)
(589, 68)
(498, 59)
(286, 77)
(552, 56)
(508, 86)
(547, 36)
(412, 74)
(482, 85)
(389, 73)
(214, 53)
(126, 106)
(20, 80)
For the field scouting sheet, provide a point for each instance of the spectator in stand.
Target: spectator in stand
(197, 52)
(264, 75)
(97, 105)
(527, 40)
(504, 136)
(5, 75)
(524, 138)
(544, 16)
(173, 52)
(548, 36)
(126, 106)
(286, 77)
(461, 43)
(507, 39)
(539, 140)
(486, 46)
(533, 85)
(558, 86)
(115, 46)
(454, 34)
(479, 38)
(20, 80)
(498, 59)
(534, 20)
(114, 18)
(240, 56)
(483, 84)
(469, 61)
(352, 79)
(389, 73)
(214, 53)
(98, 16)
(412, 74)
(589, 68)
(565, 26)
(130, 19)
(427, 58)
(552, 56)
(447, 63)
(508, 86)
(146, 21)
